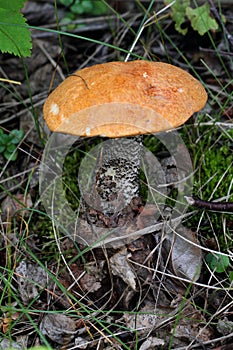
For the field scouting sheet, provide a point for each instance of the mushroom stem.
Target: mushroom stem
(117, 176)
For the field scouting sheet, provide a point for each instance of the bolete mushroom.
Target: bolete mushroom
(121, 100)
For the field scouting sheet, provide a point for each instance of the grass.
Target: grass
(107, 318)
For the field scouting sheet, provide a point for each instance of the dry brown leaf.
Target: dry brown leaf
(121, 267)
(225, 326)
(152, 343)
(9, 345)
(31, 280)
(186, 255)
(81, 343)
(190, 326)
(16, 205)
(58, 327)
(146, 320)
(91, 281)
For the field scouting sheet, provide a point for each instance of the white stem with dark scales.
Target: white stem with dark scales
(117, 179)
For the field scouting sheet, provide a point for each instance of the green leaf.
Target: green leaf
(16, 136)
(81, 7)
(179, 13)
(10, 156)
(2, 149)
(10, 148)
(231, 276)
(13, 5)
(66, 2)
(99, 9)
(15, 37)
(217, 262)
(201, 19)
(4, 138)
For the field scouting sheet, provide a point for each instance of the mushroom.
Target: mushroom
(119, 100)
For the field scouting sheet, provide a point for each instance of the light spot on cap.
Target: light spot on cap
(63, 119)
(54, 109)
(145, 75)
(88, 131)
(180, 90)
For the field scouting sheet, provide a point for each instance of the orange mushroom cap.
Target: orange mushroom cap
(119, 99)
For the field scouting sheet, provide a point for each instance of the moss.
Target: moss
(71, 167)
(211, 150)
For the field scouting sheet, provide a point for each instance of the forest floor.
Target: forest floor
(168, 287)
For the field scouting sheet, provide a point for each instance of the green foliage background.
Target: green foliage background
(15, 37)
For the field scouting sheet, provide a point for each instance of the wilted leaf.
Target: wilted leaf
(32, 279)
(152, 343)
(148, 318)
(121, 267)
(81, 343)
(57, 326)
(89, 283)
(16, 205)
(6, 344)
(225, 326)
(192, 325)
(186, 255)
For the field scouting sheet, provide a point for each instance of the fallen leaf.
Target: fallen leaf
(225, 326)
(186, 255)
(58, 327)
(6, 344)
(16, 205)
(32, 279)
(90, 283)
(152, 343)
(121, 267)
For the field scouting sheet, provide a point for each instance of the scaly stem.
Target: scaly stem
(117, 179)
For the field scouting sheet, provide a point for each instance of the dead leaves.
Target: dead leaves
(121, 267)
(32, 280)
(186, 254)
(112, 279)
(16, 205)
(58, 327)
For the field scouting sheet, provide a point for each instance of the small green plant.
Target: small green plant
(200, 17)
(217, 262)
(81, 7)
(40, 348)
(9, 142)
(15, 37)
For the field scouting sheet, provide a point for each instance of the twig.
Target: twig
(209, 205)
